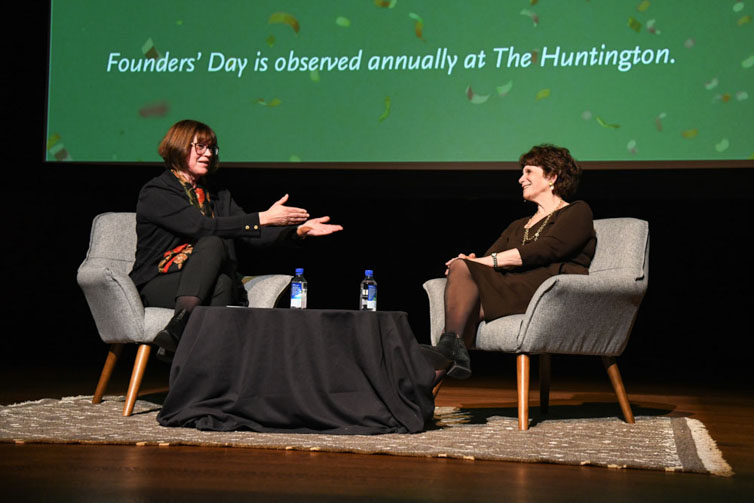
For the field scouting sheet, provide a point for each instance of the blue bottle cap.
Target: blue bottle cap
(369, 272)
(299, 271)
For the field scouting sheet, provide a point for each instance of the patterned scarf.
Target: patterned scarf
(173, 260)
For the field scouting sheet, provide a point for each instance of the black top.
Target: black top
(165, 219)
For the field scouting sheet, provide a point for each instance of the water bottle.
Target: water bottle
(368, 295)
(299, 289)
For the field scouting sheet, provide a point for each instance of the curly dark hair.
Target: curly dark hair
(555, 161)
(176, 145)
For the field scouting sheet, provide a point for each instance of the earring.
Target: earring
(552, 186)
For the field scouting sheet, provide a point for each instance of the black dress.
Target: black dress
(566, 245)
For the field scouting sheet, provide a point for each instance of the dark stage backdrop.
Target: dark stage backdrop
(695, 323)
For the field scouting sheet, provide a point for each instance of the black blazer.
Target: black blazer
(165, 219)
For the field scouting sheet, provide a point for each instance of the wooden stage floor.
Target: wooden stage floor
(127, 473)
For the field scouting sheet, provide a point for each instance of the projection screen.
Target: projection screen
(403, 81)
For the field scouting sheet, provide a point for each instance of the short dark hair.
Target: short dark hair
(555, 161)
(176, 145)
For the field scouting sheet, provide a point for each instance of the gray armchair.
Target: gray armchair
(115, 303)
(571, 314)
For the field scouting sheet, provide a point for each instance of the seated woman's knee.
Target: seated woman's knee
(458, 267)
(210, 244)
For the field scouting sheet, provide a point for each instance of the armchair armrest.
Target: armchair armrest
(265, 291)
(435, 289)
(581, 314)
(114, 302)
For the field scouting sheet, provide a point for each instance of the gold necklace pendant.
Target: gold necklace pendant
(536, 234)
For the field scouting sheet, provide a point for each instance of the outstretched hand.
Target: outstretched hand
(279, 214)
(318, 227)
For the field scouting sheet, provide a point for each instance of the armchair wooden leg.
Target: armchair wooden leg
(437, 387)
(544, 382)
(522, 380)
(140, 365)
(611, 365)
(112, 358)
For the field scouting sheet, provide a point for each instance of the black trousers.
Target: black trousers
(208, 274)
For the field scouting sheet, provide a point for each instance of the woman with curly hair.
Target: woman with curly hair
(558, 238)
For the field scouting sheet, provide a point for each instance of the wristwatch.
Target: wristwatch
(494, 260)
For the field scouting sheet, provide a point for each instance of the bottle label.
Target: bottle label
(370, 292)
(297, 295)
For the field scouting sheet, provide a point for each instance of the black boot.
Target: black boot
(451, 346)
(169, 337)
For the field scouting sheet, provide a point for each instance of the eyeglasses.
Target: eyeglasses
(202, 148)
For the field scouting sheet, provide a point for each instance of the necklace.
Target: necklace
(536, 234)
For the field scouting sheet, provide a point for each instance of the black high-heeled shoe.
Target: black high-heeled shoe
(169, 337)
(451, 346)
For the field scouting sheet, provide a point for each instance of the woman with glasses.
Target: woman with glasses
(186, 226)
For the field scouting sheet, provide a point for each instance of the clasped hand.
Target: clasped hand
(460, 256)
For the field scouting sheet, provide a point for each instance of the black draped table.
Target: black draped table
(299, 370)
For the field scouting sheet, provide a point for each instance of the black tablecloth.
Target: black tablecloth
(305, 371)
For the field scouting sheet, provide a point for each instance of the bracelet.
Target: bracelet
(494, 260)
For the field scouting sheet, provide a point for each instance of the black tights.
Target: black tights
(463, 308)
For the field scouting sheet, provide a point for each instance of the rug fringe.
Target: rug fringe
(707, 449)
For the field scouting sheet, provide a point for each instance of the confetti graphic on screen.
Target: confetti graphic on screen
(388, 4)
(531, 15)
(386, 113)
(722, 145)
(543, 94)
(690, 133)
(56, 148)
(606, 124)
(474, 98)
(659, 119)
(285, 18)
(149, 50)
(272, 103)
(418, 25)
(505, 89)
(156, 109)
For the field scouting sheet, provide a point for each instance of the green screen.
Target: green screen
(386, 81)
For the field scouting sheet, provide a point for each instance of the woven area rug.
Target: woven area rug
(654, 443)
